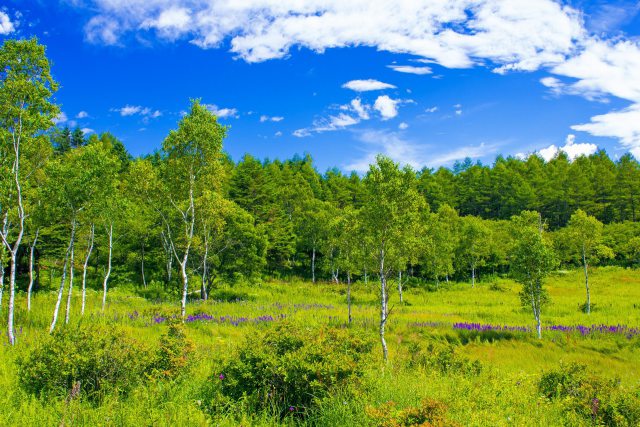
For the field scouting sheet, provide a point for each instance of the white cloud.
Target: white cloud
(60, 119)
(6, 26)
(137, 110)
(170, 23)
(82, 115)
(276, 119)
(387, 107)
(331, 123)
(403, 126)
(367, 85)
(516, 34)
(87, 131)
(361, 109)
(277, 134)
(409, 69)
(623, 124)
(431, 109)
(222, 113)
(408, 152)
(571, 148)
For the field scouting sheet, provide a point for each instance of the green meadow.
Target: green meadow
(436, 374)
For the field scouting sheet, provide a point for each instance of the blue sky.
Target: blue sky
(425, 82)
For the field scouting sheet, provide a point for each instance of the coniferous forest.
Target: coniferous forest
(185, 287)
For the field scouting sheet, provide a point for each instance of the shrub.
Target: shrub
(288, 370)
(229, 295)
(600, 400)
(174, 354)
(444, 358)
(429, 413)
(89, 360)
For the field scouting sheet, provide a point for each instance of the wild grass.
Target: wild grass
(503, 393)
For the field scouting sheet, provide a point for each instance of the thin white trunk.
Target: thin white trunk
(70, 294)
(383, 307)
(144, 279)
(105, 282)
(85, 266)
(31, 252)
(473, 275)
(205, 266)
(400, 286)
(62, 279)
(349, 295)
(313, 264)
(586, 278)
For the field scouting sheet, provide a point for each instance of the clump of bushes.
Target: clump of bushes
(229, 295)
(603, 401)
(174, 354)
(90, 361)
(444, 358)
(429, 413)
(287, 370)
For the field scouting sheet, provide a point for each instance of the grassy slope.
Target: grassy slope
(503, 394)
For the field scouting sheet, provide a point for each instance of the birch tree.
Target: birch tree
(26, 112)
(192, 165)
(390, 212)
(584, 233)
(532, 261)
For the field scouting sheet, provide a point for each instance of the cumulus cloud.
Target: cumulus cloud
(387, 107)
(403, 126)
(222, 113)
(367, 85)
(82, 115)
(87, 131)
(623, 124)
(571, 148)
(6, 26)
(518, 34)
(410, 69)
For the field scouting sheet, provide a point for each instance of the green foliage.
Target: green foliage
(591, 397)
(93, 360)
(444, 358)
(174, 354)
(429, 413)
(288, 369)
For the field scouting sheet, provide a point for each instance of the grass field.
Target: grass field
(504, 392)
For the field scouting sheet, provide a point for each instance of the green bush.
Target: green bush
(174, 354)
(444, 358)
(602, 401)
(287, 370)
(229, 295)
(89, 360)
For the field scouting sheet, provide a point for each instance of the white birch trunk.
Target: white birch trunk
(586, 278)
(349, 295)
(400, 286)
(62, 279)
(383, 307)
(84, 268)
(31, 253)
(313, 264)
(105, 282)
(70, 294)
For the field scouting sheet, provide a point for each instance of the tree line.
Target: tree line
(83, 210)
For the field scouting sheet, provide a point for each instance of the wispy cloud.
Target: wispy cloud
(138, 110)
(410, 69)
(265, 118)
(222, 113)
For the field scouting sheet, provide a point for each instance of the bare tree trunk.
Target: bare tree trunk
(31, 251)
(105, 282)
(313, 264)
(1, 280)
(144, 279)
(62, 279)
(85, 266)
(349, 294)
(71, 266)
(586, 279)
(205, 266)
(473, 275)
(383, 307)
(166, 244)
(185, 258)
(400, 286)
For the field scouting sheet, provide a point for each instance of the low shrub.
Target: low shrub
(429, 413)
(287, 370)
(174, 354)
(90, 361)
(229, 295)
(444, 358)
(603, 401)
